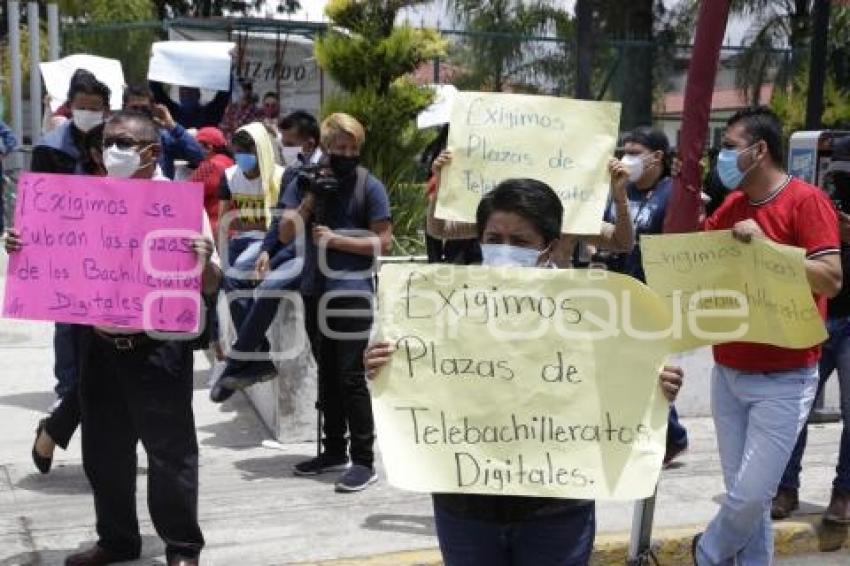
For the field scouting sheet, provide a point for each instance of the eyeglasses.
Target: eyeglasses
(125, 143)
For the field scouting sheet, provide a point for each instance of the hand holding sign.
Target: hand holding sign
(722, 290)
(564, 143)
(551, 411)
(107, 252)
(201, 64)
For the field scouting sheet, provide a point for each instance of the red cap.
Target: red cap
(212, 136)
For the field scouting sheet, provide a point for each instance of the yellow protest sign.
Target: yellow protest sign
(521, 381)
(721, 290)
(562, 142)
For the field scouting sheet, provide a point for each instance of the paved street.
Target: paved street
(254, 511)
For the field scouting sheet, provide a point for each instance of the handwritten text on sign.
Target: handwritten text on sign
(502, 382)
(106, 252)
(562, 142)
(721, 290)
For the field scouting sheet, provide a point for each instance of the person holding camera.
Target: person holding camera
(343, 213)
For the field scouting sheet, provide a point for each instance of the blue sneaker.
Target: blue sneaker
(357, 478)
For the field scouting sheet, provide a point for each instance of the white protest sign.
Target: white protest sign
(57, 77)
(440, 111)
(201, 64)
(275, 63)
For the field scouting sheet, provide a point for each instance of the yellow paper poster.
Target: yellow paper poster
(722, 290)
(521, 381)
(562, 142)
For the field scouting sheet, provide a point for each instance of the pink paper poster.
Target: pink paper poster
(106, 252)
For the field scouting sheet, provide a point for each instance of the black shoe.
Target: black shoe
(243, 374)
(694, 545)
(320, 465)
(219, 393)
(672, 452)
(43, 464)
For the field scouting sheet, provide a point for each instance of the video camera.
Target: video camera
(319, 180)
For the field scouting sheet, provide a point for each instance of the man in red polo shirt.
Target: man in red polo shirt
(761, 395)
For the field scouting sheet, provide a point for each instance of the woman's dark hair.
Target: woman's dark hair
(761, 123)
(243, 139)
(86, 83)
(653, 140)
(531, 199)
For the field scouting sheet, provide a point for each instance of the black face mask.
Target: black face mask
(342, 165)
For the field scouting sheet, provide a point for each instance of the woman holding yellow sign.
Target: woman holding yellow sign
(518, 224)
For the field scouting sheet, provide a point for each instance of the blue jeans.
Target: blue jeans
(242, 253)
(253, 322)
(65, 355)
(757, 417)
(565, 539)
(836, 356)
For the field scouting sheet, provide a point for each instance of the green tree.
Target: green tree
(496, 53)
(370, 59)
(211, 8)
(86, 29)
(790, 104)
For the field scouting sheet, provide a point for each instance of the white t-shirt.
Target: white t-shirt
(247, 194)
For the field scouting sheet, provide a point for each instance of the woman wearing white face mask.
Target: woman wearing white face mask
(73, 147)
(70, 147)
(518, 223)
(647, 161)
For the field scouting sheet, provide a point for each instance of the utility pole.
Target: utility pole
(817, 65)
(584, 48)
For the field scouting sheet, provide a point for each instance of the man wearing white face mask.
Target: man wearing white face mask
(71, 148)
(138, 387)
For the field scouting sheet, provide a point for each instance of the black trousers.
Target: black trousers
(343, 396)
(65, 418)
(141, 395)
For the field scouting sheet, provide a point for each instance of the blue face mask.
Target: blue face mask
(499, 255)
(727, 167)
(246, 161)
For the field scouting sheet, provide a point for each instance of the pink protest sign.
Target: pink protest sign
(106, 252)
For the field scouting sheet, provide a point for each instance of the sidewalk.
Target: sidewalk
(255, 512)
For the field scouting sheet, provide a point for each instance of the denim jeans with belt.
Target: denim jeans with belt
(835, 357)
(757, 417)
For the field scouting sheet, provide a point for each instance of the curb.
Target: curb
(804, 534)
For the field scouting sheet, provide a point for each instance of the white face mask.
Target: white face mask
(122, 163)
(87, 120)
(290, 154)
(500, 255)
(634, 164)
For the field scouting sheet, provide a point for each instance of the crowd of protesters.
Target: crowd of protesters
(282, 191)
